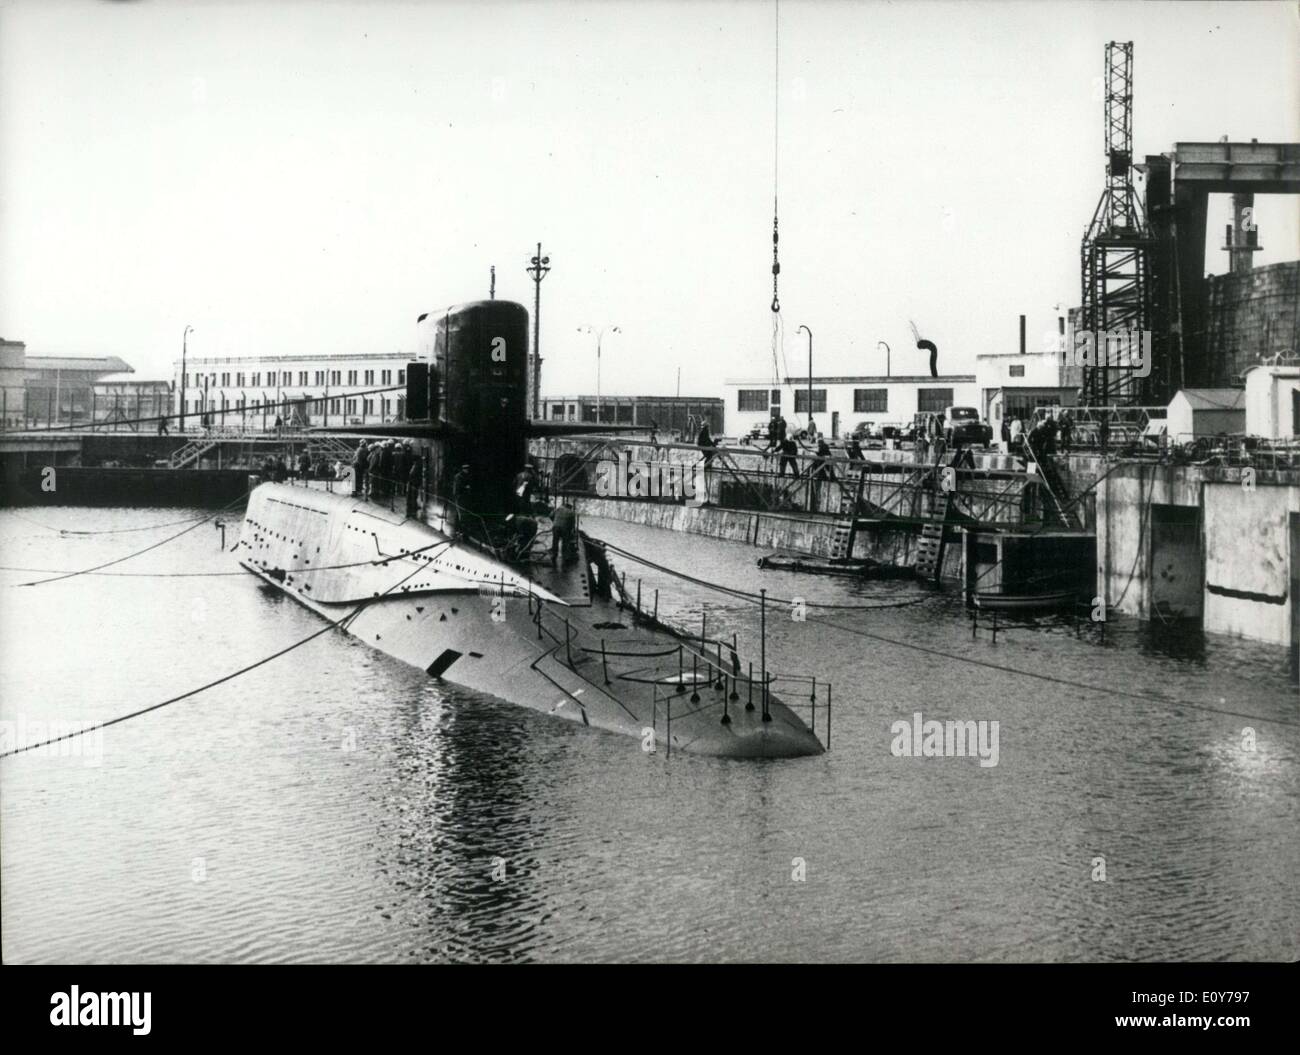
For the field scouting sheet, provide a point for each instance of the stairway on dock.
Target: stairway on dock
(191, 453)
(1057, 510)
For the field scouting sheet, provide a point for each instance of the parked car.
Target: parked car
(755, 434)
(866, 430)
(963, 425)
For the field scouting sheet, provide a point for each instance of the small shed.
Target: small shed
(1196, 412)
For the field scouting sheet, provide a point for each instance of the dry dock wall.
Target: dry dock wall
(769, 531)
(1193, 541)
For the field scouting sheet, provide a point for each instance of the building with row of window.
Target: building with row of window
(1005, 385)
(307, 389)
(668, 414)
(841, 403)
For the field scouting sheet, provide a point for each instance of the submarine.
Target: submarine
(447, 585)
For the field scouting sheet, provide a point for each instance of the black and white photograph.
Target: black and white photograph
(557, 483)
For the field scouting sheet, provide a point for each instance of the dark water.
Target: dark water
(335, 805)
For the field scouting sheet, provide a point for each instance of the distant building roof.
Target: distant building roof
(130, 378)
(109, 364)
(1214, 398)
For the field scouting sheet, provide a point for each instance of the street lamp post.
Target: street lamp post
(811, 424)
(184, 348)
(885, 346)
(538, 267)
(600, 333)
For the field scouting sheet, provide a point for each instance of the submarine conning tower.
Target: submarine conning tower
(472, 379)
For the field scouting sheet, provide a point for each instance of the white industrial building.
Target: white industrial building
(1273, 401)
(321, 389)
(840, 403)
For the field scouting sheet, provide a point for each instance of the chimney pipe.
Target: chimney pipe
(1022, 335)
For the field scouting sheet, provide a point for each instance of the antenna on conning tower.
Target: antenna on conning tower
(492, 289)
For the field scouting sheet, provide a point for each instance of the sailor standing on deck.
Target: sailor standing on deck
(460, 490)
(414, 480)
(399, 469)
(359, 462)
(374, 485)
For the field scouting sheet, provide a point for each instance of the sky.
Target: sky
(304, 178)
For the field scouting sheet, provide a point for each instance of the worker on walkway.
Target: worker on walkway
(564, 524)
(789, 456)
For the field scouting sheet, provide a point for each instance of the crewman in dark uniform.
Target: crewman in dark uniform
(414, 481)
(399, 469)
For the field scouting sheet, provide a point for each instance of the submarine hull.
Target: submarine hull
(536, 638)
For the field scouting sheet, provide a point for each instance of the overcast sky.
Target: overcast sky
(297, 178)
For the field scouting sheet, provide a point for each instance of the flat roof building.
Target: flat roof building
(840, 403)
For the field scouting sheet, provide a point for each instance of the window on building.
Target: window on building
(753, 399)
(1018, 370)
(352, 406)
(557, 411)
(386, 377)
(302, 377)
(225, 380)
(369, 378)
(352, 377)
(871, 400)
(239, 379)
(776, 397)
(933, 400)
(257, 379)
(401, 377)
(623, 413)
(818, 401)
(334, 406)
(334, 377)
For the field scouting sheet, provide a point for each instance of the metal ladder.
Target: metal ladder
(929, 550)
(846, 527)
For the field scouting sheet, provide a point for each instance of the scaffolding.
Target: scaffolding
(1115, 260)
